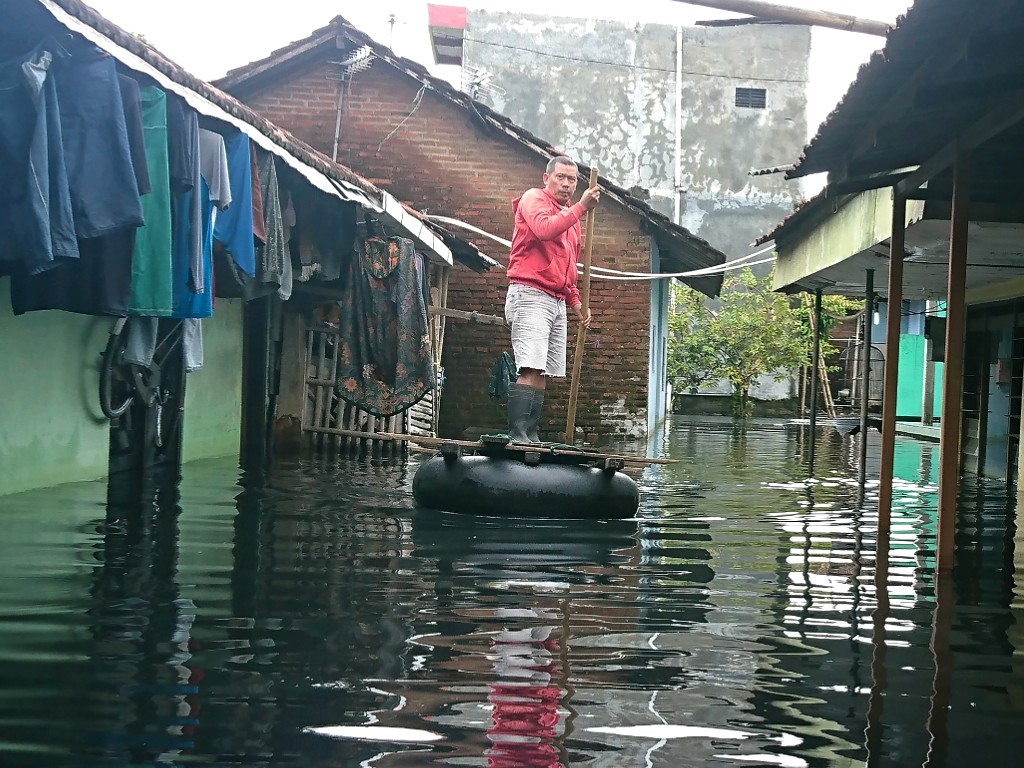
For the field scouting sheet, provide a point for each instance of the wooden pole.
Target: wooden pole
(816, 352)
(793, 15)
(953, 370)
(865, 374)
(892, 363)
(581, 330)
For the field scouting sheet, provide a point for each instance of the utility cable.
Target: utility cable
(614, 274)
(625, 65)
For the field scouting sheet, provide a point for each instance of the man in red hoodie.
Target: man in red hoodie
(542, 284)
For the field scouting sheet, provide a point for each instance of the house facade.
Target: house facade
(54, 429)
(390, 120)
(686, 116)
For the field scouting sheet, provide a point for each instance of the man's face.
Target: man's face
(561, 182)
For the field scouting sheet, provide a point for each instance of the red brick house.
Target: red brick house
(432, 145)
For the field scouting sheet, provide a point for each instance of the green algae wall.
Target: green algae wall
(51, 427)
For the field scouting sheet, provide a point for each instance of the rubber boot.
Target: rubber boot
(520, 403)
(534, 422)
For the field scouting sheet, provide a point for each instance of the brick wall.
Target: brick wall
(444, 161)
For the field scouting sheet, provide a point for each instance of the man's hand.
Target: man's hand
(578, 311)
(591, 198)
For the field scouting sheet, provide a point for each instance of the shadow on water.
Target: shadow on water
(312, 617)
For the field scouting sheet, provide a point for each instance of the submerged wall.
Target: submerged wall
(51, 427)
(213, 394)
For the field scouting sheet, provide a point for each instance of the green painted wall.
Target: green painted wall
(910, 387)
(51, 427)
(213, 394)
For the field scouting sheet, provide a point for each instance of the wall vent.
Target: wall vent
(752, 98)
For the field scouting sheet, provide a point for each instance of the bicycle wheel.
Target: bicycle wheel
(116, 388)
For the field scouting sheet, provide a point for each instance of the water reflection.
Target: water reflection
(313, 618)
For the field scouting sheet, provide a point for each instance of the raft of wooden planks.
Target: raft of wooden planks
(531, 452)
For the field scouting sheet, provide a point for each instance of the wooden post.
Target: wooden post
(953, 370)
(928, 385)
(816, 353)
(897, 243)
(865, 374)
(581, 330)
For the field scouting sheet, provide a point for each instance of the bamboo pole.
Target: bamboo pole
(774, 12)
(581, 330)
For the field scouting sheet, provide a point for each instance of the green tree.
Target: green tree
(755, 332)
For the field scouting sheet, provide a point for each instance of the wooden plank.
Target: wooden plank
(318, 408)
(307, 416)
(434, 443)
(292, 396)
(334, 403)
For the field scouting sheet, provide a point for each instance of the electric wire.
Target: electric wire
(625, 65)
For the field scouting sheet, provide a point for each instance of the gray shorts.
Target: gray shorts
(539, 329)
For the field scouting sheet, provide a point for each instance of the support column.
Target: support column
(953, 370)
(865, 373)
(815, 356)
(928, 385)
(897, 242)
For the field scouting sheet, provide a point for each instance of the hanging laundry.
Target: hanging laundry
(326, 231)
(151, 292)
(36, 223)
(258, 227)
(273, 258)
(273, 263)
(186, 207)
(385, 360)
(131, 98)
(99, 115)
(234, 226)
(104, 189)
(214, 195)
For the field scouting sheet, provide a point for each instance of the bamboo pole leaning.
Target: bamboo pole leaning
(581, 330)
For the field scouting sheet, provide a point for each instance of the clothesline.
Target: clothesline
(614, 274)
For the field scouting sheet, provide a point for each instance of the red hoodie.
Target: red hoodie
(546, 245)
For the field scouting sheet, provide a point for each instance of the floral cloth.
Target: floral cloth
(385, 363)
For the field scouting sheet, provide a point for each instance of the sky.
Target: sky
(209, 37)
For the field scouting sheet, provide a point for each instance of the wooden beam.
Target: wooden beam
(953, 370)
(439, 442)
(1005, 115)
(865, 183)
(897, 243)
(793, 15)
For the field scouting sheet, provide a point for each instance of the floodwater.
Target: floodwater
(317, 619)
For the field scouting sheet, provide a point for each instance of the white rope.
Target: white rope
(614, 274)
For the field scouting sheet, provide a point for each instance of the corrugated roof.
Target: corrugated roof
(939, 71)
(675, 241)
